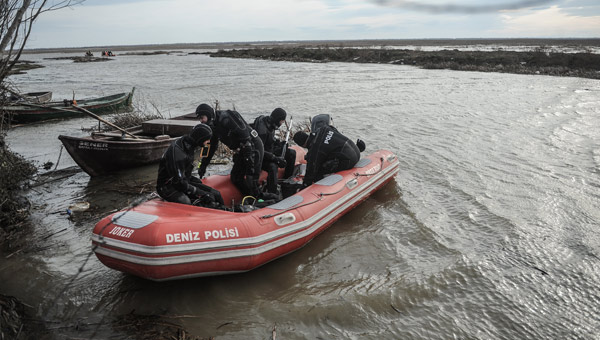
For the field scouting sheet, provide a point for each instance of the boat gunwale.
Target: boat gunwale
(115, 141)
(85, 103)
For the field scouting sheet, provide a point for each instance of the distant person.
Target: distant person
(274, 156)
(175, 182)
(329, 151)
(230, 128)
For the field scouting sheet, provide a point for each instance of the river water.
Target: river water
(489, 231)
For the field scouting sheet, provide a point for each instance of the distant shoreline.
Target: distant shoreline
(541, 60)
(571, 42)
(554, 57)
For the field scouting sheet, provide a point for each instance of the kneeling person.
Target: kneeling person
(230, 128)
(328, 151)
(175, 182)
(274, 155)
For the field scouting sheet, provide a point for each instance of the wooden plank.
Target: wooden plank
(171, 127)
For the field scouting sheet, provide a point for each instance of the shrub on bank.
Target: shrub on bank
(14, 170)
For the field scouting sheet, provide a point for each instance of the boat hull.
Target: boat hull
(99, 157)
(23, 114)
(160, 240)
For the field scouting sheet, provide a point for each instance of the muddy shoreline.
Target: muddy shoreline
(540, 61)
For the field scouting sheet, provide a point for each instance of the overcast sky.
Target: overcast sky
(132, 22)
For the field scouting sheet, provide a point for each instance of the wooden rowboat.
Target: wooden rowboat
(105, 152)
(23, 112)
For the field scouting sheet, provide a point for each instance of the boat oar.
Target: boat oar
(104, 121)
(84, 111)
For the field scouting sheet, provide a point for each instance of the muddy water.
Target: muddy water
(489, 231)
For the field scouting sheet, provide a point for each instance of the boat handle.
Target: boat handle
(285, 219)
(351, 184)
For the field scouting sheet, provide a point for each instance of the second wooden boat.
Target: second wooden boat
(23, 112)
(106, 152)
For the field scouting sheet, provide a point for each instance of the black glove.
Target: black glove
(246, 150)
(361, 145)
(330, 165)
(207, 199)
(195, 192)
(201, 171)
(280, 162)
(248, 154)
(250, 171)
(269, 196)
(195, 180)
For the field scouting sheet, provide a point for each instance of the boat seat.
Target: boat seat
(287, 203)
(172, 127)
(107, 134)
(362, 162)
(330, 180)
(133, 219)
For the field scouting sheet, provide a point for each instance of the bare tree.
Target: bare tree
(16, 22)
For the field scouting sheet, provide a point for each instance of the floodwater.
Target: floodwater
(489, 231)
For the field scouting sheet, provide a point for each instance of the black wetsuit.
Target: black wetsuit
(232, 130)
(273, 150)
(175, 182)
(329, 151)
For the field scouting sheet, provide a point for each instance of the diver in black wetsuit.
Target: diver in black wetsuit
(232, 130)
(274, 155)
(328, 151)
(175, 182)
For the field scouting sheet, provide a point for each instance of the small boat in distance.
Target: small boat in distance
(161, 240)
(105, 152)
(23, 112)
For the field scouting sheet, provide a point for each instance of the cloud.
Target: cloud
(132, 22)
(461, 8)
(167, 21)
(551, 22)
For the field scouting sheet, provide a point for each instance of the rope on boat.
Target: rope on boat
(58, 160)
(376, 172)
(294, 207)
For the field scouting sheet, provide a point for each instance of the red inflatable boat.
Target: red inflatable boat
(160, 240)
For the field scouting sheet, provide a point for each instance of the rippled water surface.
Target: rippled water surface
(489, 231)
